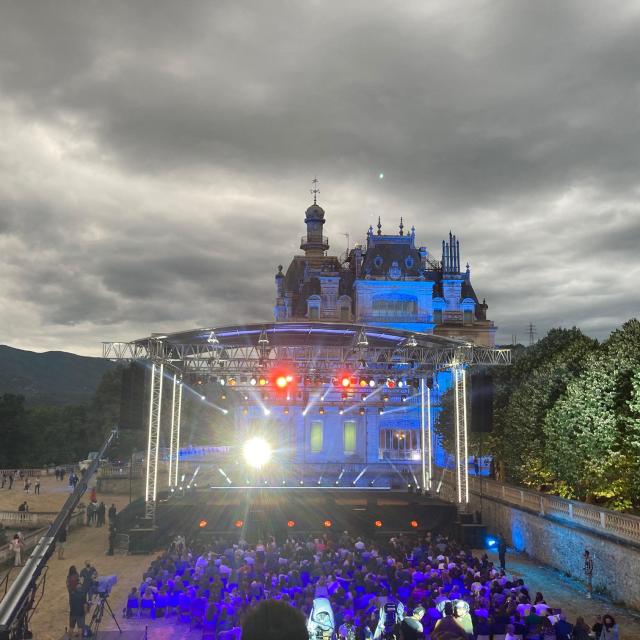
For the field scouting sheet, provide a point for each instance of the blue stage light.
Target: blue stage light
(491, 542)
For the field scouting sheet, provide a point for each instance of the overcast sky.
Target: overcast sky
(156, 157)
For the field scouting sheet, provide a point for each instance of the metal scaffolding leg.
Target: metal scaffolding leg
(153, 448)
(174, 440)
(425, 425)
(462, 451)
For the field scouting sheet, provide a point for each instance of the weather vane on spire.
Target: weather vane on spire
(315, 190)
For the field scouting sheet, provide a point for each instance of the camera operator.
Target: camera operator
(347, 630)
(411, 626)
(88, 576)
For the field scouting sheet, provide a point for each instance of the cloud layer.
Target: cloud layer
(156, 156)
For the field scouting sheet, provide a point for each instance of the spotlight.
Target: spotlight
(284, 482)
(257, 452)
(202, 524)
(238, 523)
(404, 398)
(491, 542)
(391, 383)
(378, 523)
(262, 381)
(281, 382)
(385, 398)
(286, 411)
(372, 383)
(232, 382)
(401, 384)
(253, 381)
(380, 411)
(341, 410)
(328, 523)
(291, 524)
(345, 381)
(223, 396)
(361, 411)
(414, 524)
(363, 382)
(301, 482)
(321, 411)
(203, 397)
(266, 411)
(222, 381)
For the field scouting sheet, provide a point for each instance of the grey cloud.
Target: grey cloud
(157, 159)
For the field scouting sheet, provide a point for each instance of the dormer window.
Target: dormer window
(408, 262)
(377, 262)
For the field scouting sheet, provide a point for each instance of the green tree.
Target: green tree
(594, 426)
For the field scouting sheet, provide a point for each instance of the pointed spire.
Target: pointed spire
(370, 232)
(401, 226)
(379, 226)
(413, 231)
(468, 274)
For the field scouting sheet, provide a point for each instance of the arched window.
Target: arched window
(396, 305)
(313, 307)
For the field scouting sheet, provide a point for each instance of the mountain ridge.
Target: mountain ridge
(51, 377)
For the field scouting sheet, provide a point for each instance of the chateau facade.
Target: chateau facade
(389, 282)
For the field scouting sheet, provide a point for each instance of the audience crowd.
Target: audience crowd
(446, 592)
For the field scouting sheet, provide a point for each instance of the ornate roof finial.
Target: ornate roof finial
(379, 227)
(413, 231)
(315, 190)
(401, 226)
(370, 232)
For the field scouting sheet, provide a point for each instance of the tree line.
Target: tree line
(567, 417)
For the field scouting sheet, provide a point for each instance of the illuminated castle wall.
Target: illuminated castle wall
(389, 282)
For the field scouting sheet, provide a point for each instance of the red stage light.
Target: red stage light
(281, 382)
(202, 524)
(345, 381)
(327, 523)
(391, 383)
(378, 523)
(291, 524)
(414, 524)
(239, 523)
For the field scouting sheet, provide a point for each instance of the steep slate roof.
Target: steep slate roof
(382, 254)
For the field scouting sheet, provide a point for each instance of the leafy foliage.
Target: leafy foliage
(567, 417)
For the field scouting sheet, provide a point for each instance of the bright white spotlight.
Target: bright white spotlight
(257, 452)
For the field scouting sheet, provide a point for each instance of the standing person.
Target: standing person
(588, 571)
(101, 512)
(62, 472)
(113, 512)
(10, 479)
(16, 547)
(27, 484)
(4, 478)
(62, 538)
(609, 628)
(36, 486)
(502, 552)
(77, 609)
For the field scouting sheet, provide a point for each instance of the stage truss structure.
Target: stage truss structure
(312, 349)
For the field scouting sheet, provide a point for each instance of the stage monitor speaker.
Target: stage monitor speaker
(472, 535)
(132, 397)
(481, 402)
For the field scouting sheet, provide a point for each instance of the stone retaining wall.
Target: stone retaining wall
(561, 545)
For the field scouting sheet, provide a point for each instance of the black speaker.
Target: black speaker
(481, 402)
(132, 397)
(142, 540)
(472, 535)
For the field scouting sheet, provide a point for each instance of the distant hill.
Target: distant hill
(54, 377)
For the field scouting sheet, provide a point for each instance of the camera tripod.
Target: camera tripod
(98, 613)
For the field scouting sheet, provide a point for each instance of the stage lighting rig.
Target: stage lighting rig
(257, 452)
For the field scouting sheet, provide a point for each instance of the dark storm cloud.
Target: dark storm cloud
(157, 155)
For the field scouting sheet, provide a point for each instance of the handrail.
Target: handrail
(598, 519)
